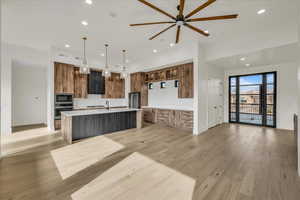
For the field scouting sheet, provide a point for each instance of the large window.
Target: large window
(252, 99)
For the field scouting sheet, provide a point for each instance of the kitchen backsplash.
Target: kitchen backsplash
(97, 100)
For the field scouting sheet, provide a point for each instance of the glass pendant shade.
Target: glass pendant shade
(84, 68)
(123, 73)
(106, 72)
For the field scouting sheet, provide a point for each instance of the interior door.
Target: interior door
(215, 102)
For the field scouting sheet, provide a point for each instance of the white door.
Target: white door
(215, 102)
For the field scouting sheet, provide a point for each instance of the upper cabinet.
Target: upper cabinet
(96, 83)
(183, 73)
(80, 84)
(138, 84)
(115, 86)
(64, 78)
(186, 81)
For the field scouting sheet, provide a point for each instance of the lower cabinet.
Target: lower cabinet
(57, 124)
(180, 119)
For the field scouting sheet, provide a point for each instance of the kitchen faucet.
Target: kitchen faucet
(107, 105)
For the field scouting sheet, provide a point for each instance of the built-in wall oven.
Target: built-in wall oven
(63, 102)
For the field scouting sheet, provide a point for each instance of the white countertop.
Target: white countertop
(97, 111)
(169, 108)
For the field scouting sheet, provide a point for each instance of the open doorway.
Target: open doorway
(252, 99)
(29, 109)
(29, 97)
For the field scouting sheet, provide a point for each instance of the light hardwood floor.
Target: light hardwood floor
(229, 162)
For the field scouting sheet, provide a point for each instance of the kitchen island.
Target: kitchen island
(80, 124)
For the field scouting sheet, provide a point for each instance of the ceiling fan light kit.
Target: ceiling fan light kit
(182, 20)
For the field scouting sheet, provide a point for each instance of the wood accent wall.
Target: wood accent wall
(186, 81)
(138, 84)
(114, 86)
(80, 84)
(174, 118)
(63, 78)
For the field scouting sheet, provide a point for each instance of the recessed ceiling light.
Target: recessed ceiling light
(261, 11)
(90, 2)
(172, 45)
(84, 23)
(243, 59)
(247, 64)
(154, 51)
(67, 46)
(102, 54)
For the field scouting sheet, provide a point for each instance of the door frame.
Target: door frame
(237, 99)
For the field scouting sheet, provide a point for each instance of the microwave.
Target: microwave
(63, 98)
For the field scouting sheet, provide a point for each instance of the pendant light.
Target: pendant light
(84, 68)
(106, 72)
(124, 73)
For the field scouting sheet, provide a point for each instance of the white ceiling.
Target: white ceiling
(41, 24)
(270, 56)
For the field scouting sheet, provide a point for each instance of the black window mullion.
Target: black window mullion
(237, 99)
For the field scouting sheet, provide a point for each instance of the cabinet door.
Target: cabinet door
(186, 81)
(63, 78)
(96, 83)
(80, 84)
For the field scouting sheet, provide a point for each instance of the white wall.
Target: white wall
(168, 97)
(299, 88)
(28, 56)
(286, 87)
(29, 91)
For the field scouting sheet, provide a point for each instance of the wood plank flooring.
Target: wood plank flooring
(73, 158)
(138, 177)
(229, 162)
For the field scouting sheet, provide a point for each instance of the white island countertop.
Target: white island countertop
(97, 111)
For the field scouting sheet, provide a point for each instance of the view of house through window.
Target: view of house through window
(253, 99)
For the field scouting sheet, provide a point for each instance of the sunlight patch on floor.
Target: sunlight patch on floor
(73, 158)
(138, 177)
(24, 140)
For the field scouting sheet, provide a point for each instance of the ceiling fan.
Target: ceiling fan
(182, 20)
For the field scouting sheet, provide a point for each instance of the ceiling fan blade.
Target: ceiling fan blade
(181, 7)
(156, 8)
(200, 8)
(213, 18)
(196, 29)
(162, 32)
(178, 34)
(152, 23)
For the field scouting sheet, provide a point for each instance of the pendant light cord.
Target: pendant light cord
(106, 56)
(124, 59)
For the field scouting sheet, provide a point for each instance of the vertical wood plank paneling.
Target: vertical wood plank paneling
(138, 84)
(186, 81)
(63, 78)
(115, 86)
(80, 84)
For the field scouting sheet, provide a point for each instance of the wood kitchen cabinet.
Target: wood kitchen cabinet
(115, 86)
(138, 84)
(80, 84)
(180, 119)
(186, 81)
(63, 78)
(96, 82)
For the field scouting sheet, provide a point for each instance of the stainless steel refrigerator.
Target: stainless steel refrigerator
(135, 100)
